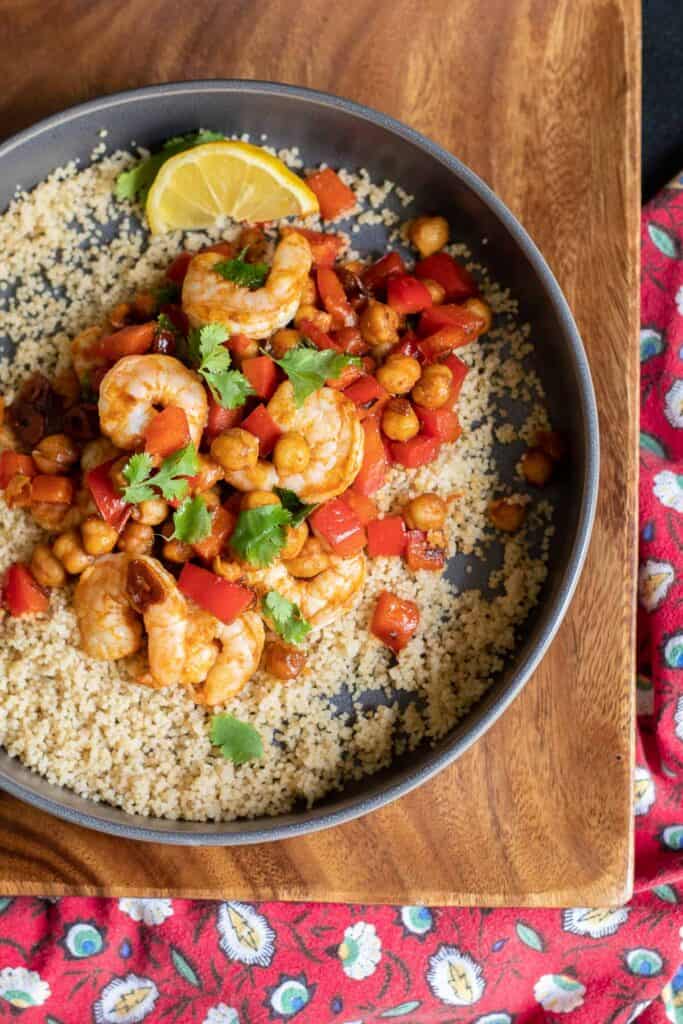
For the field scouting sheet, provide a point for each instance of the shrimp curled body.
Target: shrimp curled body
(210, 298)
(240, 645)
(137, 387)
(110, 628)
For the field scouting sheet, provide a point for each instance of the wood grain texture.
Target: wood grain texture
(542, 99)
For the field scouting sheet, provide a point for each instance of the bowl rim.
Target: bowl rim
(315, 819)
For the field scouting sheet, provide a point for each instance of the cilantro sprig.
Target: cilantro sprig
(309, 368)
(260, 534)
(237, 270)
(298, 509)
(238, 741)
(285, 617)
(230, 388)
(136, 183)
(169, 479)
(192, 521)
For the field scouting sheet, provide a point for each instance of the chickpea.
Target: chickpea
(283, 341)
(235, 449)
(425, 512)
(99, 537)
(210, 472)
(536, 466)
(434, 386)
(399, 374)
(116, 474)
(177, 551)
(257, 499)
(96, 452)
(482, 309)
(291, 454)
(316, 316)
(399, 421)
(69, 549)
(551, 443)
(67, 385)
(379, 325)
(311, 560)
(296, 537)
(120, 315)
(49, 515)
(211, 498)
(56, 453)
(18, 491)
(309, 295)
(428, 234)
(282, 660)
(436, 290)
(136, 539)
(47, 570)
(144, 305)
(151, 512)
(506, 514)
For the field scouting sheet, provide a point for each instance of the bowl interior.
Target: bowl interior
(340, 134)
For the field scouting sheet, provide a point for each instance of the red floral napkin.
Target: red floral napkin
(130, 960)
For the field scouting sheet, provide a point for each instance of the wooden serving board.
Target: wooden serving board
(543, 101)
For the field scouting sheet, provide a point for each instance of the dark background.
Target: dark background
(662, 93)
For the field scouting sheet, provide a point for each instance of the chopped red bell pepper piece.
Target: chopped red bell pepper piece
(12, 463)
(262, 374)
(325, 248)
(346, 378)
(337, 525)
(178, 267)
(364, 507)
(215, 595)
(221, 419)
(373, 470)
(394, 620)
(21, 594)
(110, 504)
(133, 340)
(334, 298)
(222, 524)
(418, 451)
(321, 339)
(420, 554)
(349, 340)
(52, 489)
(375, 276)
(334, 197)
(260, 423)
(241, 346)
(442, 424)
(459, 371)
(406, 294)
(438, 317)
(366, 389)
(443, 341)
(407, 346)
(456, 281)
(167, 432)
(386, 537)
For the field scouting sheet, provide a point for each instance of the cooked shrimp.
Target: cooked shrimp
(200, 650)
(241, 645)
(85, 352)
(329, 423)
(154, 593)
(110, 629)
(209, 298)
(137, 387)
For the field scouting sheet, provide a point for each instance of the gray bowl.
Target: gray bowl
(343, 133)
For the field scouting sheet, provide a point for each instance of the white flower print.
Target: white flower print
(126, 1000)
(637, 1010)
(593, 922)
(673, 404)
(644, 790)
(244, 934)
(668, 489)
(679, 300)
(22, 989)
(360, 950)
(222, 1014)
(454, 977)
(654, 581)
(147, 911)
(559, 993)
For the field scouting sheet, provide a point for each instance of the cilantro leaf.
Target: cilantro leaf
(136, 472)
(230, 388)
(309, 368)
(260, 534)
(164, 323)
(192, 521)
(170, 479)
(246, 275)
(238, 741)
(299, 510)
(285, 617)
(136, 183)
(166, 293)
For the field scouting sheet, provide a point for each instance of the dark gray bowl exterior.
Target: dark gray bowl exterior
(343, 133)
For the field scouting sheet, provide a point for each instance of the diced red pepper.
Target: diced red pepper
(175, 314)
(373, 470)
(365, 390)
(178, 267)
(345, 379)
(418, 451)
(215, 595)
(222, 524)
(364, 507)
(324, 248)
(240, 345)
(334, 298)
(434, 319)
(133, 340)
(221, 419)
(21, 594)
(110, 504)
(334, 197)
(375, 276)
(386, 537)
(321, 339)
(442, 342)
(338, 526)
(406, 294)
(262, 374)
(167, 432)
(407, 346)
(52, 489)
(442, 424)
(459, 371)
(394, 620)
(12, 463)
(260, 423)
(456, 281)
(349, 340)
(420, 554)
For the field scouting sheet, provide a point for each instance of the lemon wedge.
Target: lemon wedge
(231, 179)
